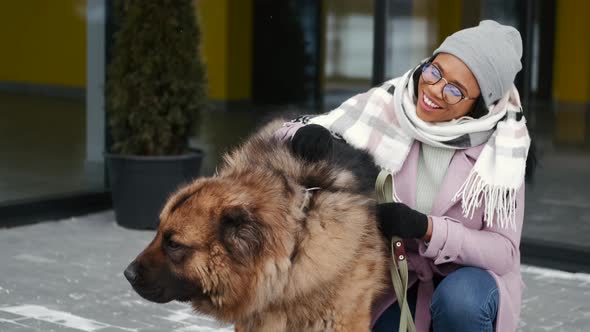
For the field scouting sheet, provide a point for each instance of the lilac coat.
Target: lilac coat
(456, 240)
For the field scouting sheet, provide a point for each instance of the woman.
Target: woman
(453, 134)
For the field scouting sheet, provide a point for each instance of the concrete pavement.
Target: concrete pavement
(67, 276)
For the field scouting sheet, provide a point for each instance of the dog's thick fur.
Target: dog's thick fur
(251, 246)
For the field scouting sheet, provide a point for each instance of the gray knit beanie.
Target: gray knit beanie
(492, 52)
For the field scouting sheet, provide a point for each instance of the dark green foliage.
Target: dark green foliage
(156, 82)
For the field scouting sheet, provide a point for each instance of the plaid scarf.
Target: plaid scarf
(383, 121)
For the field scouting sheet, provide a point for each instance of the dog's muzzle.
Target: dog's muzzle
(158, 286)
(131, 272)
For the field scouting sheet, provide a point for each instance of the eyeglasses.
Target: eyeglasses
(450, 92)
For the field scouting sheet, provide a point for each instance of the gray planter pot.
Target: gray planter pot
(140, 185)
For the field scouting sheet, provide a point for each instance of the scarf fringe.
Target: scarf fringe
(500, 202)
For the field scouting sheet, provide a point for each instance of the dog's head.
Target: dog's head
(214, 240)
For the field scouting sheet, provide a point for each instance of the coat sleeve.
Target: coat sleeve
(491, 248)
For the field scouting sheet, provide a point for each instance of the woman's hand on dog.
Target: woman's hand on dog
(397, 219)
(312, 142)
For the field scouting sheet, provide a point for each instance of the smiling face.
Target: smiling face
(431, 107)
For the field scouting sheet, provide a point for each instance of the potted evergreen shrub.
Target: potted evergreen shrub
(155, 90)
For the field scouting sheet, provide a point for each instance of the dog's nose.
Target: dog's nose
(131, 272)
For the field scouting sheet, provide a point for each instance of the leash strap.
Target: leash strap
(399, 267)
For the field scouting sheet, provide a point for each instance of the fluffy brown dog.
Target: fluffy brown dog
(254, 246)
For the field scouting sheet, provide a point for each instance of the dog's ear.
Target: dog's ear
(241, 234)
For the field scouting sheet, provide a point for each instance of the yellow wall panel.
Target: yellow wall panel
(43, 42)
(449, 18)
(572, 52)
(240, 41)
(213, 19)
(226, 28)
(443, 18)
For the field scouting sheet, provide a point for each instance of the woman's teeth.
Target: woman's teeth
(430, 102)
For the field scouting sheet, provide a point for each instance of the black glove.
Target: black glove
(312, 142)
(400, 220)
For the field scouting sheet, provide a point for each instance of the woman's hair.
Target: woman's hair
(480, 109)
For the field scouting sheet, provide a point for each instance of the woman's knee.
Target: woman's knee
(467, 292)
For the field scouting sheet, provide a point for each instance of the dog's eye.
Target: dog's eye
(173, 245)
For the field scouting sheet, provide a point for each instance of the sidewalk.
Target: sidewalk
(67, 276)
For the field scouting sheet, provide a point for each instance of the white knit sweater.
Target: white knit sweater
(432, 167)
